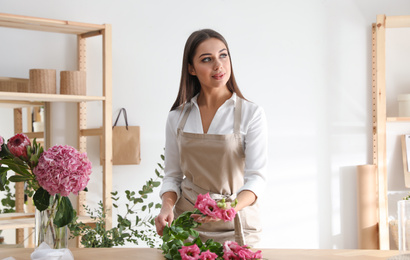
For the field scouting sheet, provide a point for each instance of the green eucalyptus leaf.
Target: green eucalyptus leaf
(160, 166)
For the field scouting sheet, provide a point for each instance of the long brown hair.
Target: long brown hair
(189, 85)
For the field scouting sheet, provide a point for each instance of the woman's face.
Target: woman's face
(211, 64)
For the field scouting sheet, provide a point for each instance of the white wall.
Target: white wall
(308, 63)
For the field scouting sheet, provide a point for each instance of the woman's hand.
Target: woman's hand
(166, 215)
(203, 219)
(164, 218)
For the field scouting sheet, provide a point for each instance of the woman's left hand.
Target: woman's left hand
(203, 219)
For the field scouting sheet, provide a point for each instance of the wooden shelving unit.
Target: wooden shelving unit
(17, 99)
(380, 119)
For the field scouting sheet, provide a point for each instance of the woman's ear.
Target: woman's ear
(191, 70)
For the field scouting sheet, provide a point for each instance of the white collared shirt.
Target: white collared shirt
(254, 137)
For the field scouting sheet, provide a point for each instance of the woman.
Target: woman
(215, 142)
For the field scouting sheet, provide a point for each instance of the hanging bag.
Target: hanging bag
(125, 143)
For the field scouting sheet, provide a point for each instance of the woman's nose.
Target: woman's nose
(218, 64)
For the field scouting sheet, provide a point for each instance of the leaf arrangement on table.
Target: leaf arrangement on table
(176, 244)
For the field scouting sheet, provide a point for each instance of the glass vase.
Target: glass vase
(47, 231)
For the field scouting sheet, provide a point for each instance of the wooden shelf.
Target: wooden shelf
(39, 97)
(16, 220)
(26, 220)
(23, 99)
(379, 116)
(47, 25)
(398, 119)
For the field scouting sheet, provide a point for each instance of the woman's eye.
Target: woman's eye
(206, 59)
(224, 55)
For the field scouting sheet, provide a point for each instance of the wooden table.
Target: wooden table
(155, 254)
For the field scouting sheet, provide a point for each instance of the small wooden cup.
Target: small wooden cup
(43, 81)
(8, 86)
(23, 86)
(73, 82)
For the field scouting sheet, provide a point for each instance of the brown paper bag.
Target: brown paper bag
(125, 143)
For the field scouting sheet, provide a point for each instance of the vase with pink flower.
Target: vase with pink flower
(51, 176)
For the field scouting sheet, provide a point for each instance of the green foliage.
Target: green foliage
(9, 201)
(175, 236)
(23, 168)
(65, 212)
(131, 226)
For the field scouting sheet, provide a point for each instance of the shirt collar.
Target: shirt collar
(232, 100)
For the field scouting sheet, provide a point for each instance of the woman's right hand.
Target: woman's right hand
(166, 215)
(164, 218)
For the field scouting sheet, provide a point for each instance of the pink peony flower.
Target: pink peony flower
(189, 252)
(207, 206)
(18, 145)
(257, 255)
(63, 169)
(228, 215)
(230, 246)
(208, 255)
(244, 253)
(230, 255)
(1, 142)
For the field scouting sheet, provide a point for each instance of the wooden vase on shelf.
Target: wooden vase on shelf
(8, 86)
(73, 82)
(43, 81)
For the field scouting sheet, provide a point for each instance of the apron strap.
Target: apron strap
(239, 235)
(184, 119)
(238, 116)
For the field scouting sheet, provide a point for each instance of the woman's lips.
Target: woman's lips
(218, 76)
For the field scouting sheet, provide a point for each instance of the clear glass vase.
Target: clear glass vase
(45, 229)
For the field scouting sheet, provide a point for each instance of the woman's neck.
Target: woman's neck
(214, 98)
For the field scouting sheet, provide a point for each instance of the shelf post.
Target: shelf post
(381, 131)
(82, 118)
(107, 124)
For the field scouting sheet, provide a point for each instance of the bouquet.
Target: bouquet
(50, 175)
(174, 246)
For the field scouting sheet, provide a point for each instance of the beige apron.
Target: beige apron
(215, 164)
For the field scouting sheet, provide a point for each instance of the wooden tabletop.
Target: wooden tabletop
(155, 254)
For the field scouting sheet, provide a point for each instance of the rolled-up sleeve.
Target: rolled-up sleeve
(256, 154)
(172, 171)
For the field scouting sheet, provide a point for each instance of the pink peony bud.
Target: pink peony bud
(208, 255)
(230, 246)
(18, 145)
(189, 252)
(230, 255)
(257, 255)
(244, 253)
(1, 142)
(207, 206)
(228, 215)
